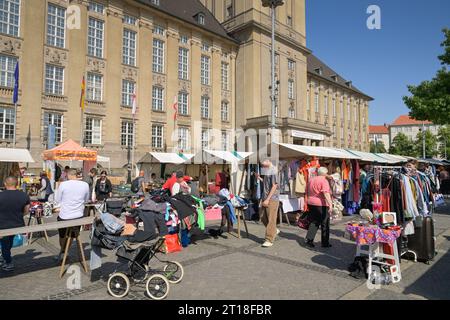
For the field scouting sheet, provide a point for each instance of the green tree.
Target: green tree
(430, 145)
(379, 148)
(444, 141)
(430, 100)
(402, 146)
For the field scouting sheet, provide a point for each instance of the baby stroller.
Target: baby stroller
(137, 257)
(134, 255)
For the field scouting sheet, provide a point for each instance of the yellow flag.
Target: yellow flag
(83, 94)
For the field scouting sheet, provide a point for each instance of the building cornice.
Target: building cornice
(286, 123)
(279, 37)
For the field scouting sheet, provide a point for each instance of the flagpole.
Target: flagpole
(15, 99)
(133, 144)
(82, 106)
(15, 124)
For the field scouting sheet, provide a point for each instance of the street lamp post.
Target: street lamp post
(423, 140)
(273, 4)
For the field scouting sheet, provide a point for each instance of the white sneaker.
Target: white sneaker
(278, 231)
(267, 244)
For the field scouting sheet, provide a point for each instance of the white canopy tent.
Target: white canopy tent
(10, 160)
(15, 155)
(168, 158)
(236, 159)
(367, 156)
(175, 161)
(392, 159)
(292, 151)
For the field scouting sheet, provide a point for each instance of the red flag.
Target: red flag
(175, 108)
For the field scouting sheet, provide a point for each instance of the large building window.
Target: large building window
(183, 63)
(56, 26)
(342, 109)
(95, 37)
(183, 107)
(308, 101)
(205, 139)
(54, 79)
(157, 136)
(291, 65)
(325, 105)
(158, 30)
(158, 56)
(183, 139)
(127, 134)
(316, 102)
(127, 19)
(292, 113)
(96, 7)
(10, 17)
(291, 89)
(225, 141)
(7, 67)
(205, 70)
(94, 87)
(224, 111)
(158, 98)
(225, 76)
(128, 90)
(334, 107)
(204, 108)
(6, 123)
(93, 132)
(129, 47)
(56, 119)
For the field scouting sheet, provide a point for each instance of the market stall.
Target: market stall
(68, 151)
(163, 163)
(10, 160)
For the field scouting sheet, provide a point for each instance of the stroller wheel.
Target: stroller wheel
(118, 285)
(173, 271)
(157, 287)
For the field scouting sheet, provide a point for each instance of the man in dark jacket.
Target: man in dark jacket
(14, 204)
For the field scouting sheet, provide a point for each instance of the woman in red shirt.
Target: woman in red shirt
(320, 206)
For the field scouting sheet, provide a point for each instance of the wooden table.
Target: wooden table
(71, 225)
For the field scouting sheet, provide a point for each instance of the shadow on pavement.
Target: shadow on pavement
(435, 282)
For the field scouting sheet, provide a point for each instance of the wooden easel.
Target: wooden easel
(35, 221)
(73, 234)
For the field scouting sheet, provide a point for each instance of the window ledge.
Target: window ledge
(158, 111)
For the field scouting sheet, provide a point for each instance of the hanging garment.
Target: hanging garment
(345, 171)
(356, 181)
(221, 180)
(300, 183)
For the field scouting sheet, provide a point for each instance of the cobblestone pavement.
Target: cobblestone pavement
(232, 268)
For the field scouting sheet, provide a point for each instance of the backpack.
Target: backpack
(135, 185)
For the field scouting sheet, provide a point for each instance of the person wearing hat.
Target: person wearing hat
(180, 185)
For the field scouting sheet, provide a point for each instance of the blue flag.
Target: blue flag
(16, 84)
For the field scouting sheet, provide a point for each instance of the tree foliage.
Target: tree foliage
(430, 145)
(430, 100)
(402, 146)
(444, 141)
(378, 148)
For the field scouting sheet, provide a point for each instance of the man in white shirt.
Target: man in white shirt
(71, 196)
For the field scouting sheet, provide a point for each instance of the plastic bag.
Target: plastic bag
(171, 243)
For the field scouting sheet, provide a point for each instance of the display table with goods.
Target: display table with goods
(377, 240)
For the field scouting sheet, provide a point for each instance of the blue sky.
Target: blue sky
(383, 62)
